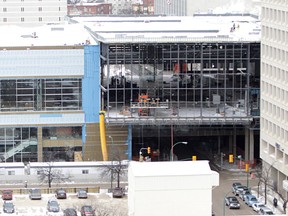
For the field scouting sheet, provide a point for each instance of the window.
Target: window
(40, 19)
(22, 19)
(85, 171)
(4, 9)
(40, 9)
(4, 19)
(39, 172)
(12, 172)
(22, 9)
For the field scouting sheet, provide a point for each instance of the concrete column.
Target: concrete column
(234, 143)
(40, 144)
(251, 146)
(231, 144)
(246, 156)
(219, 145)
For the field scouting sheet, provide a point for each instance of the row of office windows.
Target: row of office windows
(274, 73)
(274, 92)
(274, 35)
(275, 152)
(275, 54)
(22, 19)
(274, 112)
(22, 9)
(279, 17)
(275, 131)
(40, 94)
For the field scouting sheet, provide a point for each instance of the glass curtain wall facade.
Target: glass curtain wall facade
(40, 95)
(19, 144)
(191, 80)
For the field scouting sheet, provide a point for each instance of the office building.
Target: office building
(274, 90)
(32, 12)
(172, 79)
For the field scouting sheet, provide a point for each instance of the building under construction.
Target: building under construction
(167, 80)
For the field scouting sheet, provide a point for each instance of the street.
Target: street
(224, 189)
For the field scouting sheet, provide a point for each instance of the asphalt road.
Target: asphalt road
(224, 189)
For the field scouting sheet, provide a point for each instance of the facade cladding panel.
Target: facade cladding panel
(50, 89)
(274, 91)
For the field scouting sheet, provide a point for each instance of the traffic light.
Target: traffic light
(247, 167)
(148, 150)
(194, 158)
(231, 158)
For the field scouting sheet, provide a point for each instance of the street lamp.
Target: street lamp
(171, 151)
(240, 158)
(111, 170)
(111, 139)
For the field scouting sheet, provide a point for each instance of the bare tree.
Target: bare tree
(73, 2)
(48, 174)
(263, 173)
(116, 169)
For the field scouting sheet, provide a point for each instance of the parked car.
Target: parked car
(53, 206)
(265, 211)
(257, 206)
(240, 189)
(250, 200)
(232, 202)
(235, 185)
(87, 210)
(60, 194)
(243, 194)
(118, 192)
(82, 194)
(8, 207)
(70, 212)
(35, 194)
(7, 194)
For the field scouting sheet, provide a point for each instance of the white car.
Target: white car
(257, 206)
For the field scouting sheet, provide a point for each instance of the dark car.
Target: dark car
(82, 194)
(87, 210)
(235, 185)
(118, 192)
(70, 212)
(53, 206)
(7, 194)
(60, 194)
(8, 207)
(232, 202)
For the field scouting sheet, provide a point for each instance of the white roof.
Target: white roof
(170, 168)
(46, 35)
(174, 29)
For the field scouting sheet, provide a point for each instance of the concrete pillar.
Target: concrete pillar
(246, 156)
(219, 145)
(251, 146)
(234, 143)
(230, 144)
(40, 144)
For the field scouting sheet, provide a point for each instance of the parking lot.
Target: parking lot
(103, 203)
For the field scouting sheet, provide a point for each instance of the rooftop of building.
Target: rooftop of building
(204, 28)
(45, 35)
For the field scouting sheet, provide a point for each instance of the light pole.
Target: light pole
(171, 151)
(111, 171)
(240, 158)
(111, 139)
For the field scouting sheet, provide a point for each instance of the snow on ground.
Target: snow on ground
(26, 207)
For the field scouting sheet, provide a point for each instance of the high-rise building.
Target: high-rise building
(274, 89)
(32, 12)
(189, 7)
